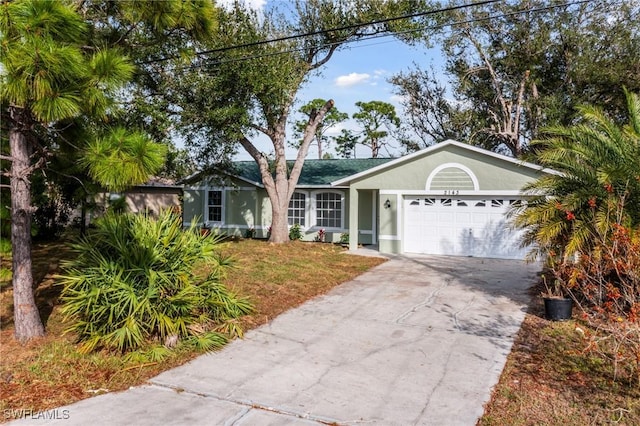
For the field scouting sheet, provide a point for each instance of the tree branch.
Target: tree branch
(309, 135)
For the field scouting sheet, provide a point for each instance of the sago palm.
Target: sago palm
(598, 173)
(136, 279)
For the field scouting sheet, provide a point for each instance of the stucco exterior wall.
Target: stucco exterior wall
(192, 206)
(493, 173)
(152, 203)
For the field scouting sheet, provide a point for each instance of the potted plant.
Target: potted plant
(557, 306)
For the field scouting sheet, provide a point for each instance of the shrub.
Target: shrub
(5, 247)
(250, 233)
(134, 282)
(295, 232)
(344, 238)
(605, 283)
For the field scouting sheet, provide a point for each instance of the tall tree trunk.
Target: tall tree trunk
(279, 223)
(281, 187)
(27, 320)
(280, 200)
(375, 148)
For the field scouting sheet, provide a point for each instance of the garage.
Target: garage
(447, 199)
(460, 226)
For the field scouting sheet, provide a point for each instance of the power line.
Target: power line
(346, 27)
(374, 36)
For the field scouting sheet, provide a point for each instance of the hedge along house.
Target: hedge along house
(448, 199)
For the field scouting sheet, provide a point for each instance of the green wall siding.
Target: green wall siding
(388, 216)
(240, 208)
(492, 173)
(193, 206)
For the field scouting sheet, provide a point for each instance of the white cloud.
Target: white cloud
(336, 129)
(398, 99)
(251, 4)
(351, 79)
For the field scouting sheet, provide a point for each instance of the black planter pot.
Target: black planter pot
(557, 309)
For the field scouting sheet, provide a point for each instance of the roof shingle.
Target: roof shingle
(314, 172)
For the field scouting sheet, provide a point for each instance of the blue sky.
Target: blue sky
(357, 72)
(361, 72)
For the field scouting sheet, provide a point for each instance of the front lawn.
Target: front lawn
(49, 372)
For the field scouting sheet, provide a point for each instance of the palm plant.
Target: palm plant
(136, 279)
(598, 172)
(50, 75)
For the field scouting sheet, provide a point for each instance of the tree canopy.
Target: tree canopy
(64, 66)
(514, 67)
(247, 82)
(377, 121)
(331, 119)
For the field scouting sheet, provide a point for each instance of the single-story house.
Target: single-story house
(448, 199)
(151, 197)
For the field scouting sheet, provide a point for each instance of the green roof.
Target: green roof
(314, 172)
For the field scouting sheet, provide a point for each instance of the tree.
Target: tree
(346, 143)
(599, 172)
(331, 119)
(58, 75)
(377, 119)
(432, 117)
(232, 94)
(516, 67)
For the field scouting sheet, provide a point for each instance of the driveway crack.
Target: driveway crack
(426, 302)
(251, 405)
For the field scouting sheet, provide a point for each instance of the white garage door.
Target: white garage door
(460, 226)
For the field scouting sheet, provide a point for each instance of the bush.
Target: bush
(5, 247)
(344, 238)
(605, 283)
(295, 232)
(50, 219)
(134, 282)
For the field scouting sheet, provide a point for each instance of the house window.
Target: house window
(297, 209)
(214, 205)
(329, 210)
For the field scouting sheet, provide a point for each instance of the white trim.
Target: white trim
(245, 226)
(448, 193)
(389, 237)
(400, 217)
(374, 216)
(438, 146)
(313, 223)
(309, 187)
(223, 202)
(220, 188)
(474, 179)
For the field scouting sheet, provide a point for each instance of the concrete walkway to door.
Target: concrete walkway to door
(419, 340)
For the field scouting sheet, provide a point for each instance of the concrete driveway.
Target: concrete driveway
(419, 340)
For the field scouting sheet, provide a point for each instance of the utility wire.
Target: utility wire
(371, 37)
(346, 27)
